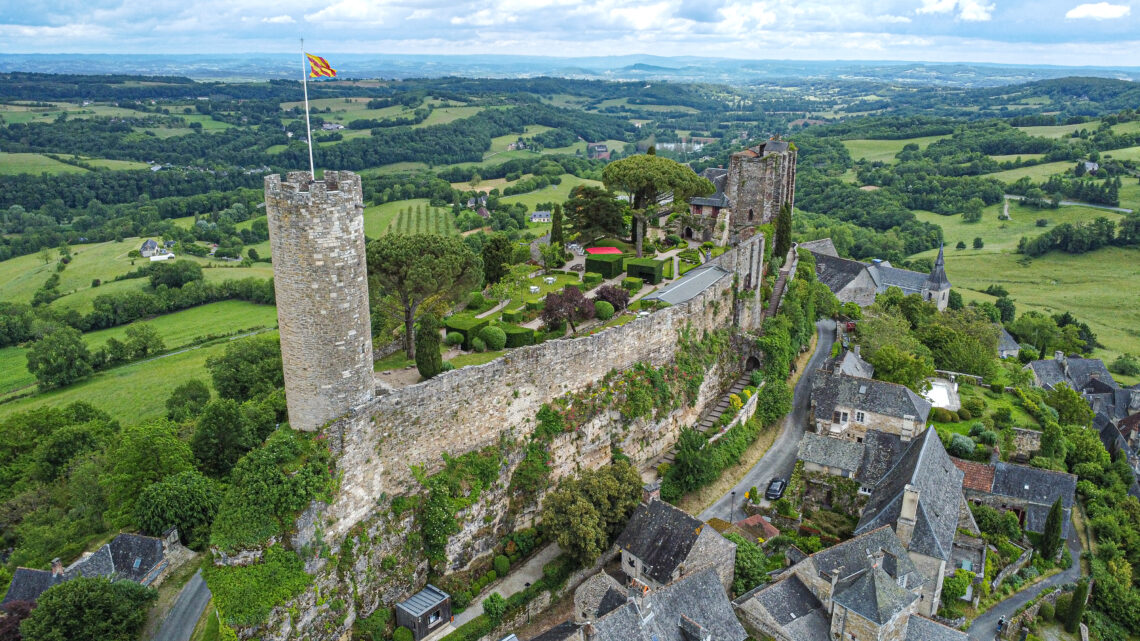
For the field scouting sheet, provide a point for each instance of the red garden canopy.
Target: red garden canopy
(603, 250)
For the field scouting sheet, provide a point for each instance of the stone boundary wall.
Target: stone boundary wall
(466, 409)
(1012, 568)
(745, 413)
(1013, 626)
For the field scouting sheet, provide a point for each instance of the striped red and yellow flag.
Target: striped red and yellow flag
(319, 67)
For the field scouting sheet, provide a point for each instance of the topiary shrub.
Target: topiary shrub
(502, 565)
(453, 339)
(591, 279)
(494, 338)
(942, 415)
(478, 345)
(633, 285)
(603, 310)
(476, 300)
(961, 446)
(403, 634)
(513, 315)
(964, 414)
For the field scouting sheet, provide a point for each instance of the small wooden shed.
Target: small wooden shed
(424, 612)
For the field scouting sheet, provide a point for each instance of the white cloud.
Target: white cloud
(968, 10)
(282, 19)
(483, 18)
(355, 11)
(1098, 11)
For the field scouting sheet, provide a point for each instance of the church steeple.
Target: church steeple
(937, 280)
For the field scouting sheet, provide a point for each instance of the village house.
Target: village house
(857, 282)
(846, 402)
(1028, 492)
(149, 248)
(540, 217)
(128, 557)
(864, 589)
(1008, 347)
(662, 543)
(866, 462)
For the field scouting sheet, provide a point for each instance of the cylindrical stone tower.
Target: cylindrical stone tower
(320, 274)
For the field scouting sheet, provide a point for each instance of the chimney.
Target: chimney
(651, 492)
(56, 568)
(637, 590)
(908, 515)
(876, 557)
(856, 350)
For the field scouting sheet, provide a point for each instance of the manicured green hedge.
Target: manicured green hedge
(647, 269)
(467, 325)
(518, 336)
(632, 284)
(513, 315)
(608, 265)
(535, 305)
(591, 279)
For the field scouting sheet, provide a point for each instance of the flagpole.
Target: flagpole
(308, 128)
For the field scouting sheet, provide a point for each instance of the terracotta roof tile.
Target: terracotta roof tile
(979, 476)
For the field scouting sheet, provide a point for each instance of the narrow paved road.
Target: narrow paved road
(188, 608)
(984, 627)
(780, 459)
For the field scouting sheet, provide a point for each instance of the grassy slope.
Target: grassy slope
(378, 218)
(883, 150)
(1036, 173)
(1058, 131)
(21, 163)
(132, 393)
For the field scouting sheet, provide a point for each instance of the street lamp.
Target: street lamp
(732, 506)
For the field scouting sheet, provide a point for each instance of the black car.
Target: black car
(775, 489)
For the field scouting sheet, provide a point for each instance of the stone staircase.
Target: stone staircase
(713, 414)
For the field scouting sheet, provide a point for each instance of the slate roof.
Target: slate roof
(787, 600)
(771, 146)
(718, 176)
(920, 628)
(885, 275)
(690, 285)
(419, 603)
(822, 246)
(135, 556)
(561, 632)
(881, 450)
(1037, 487)
(28, 584)
(1007, 343)
(937, 279)
(874, 595)
(150, 244)
(1076, 372)
(660, 536)
(889, 399)
(853, 365)
(102, 563)
(836, 272)
(976, 476)
(698, 597)
(831, 452)
(854, 556)
(926, 466)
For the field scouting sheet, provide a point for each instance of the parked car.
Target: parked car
(775, 489)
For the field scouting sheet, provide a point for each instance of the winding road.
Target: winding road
(780, 459)
(180, 621)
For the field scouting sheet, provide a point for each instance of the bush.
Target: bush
(997, 388)
(1046, 612)
(1126, 365)
(1061, 610)
(608, 265)
(478, 345)
(603, 310)
(961, 446)
(453, 339)
(942, 415)
(1042, 222)
(988, 437)
(494, 338)
(964, 414)
(615, 296)
(591, 279)
(513, 316)
(647, 269)
(518, 336)
(535, 305)
(476, 300)
(633, 285)
(403, 634)
(502, 565)
(976, 405)
(977, 428)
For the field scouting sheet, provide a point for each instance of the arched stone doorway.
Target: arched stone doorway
(751, 364)
(688, 233)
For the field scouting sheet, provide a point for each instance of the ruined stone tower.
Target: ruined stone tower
(760, 180)
(316, 234)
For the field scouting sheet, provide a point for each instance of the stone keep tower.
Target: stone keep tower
(316, 234)
(760, 180)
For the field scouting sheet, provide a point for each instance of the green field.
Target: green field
(424, 220)
(14, 372)
(1128, 153)
(1131, 127)
(884, 150)
(553, 193)
(1059, 131)
(444, 115)
(395, 168)
(132, 393)
(1013, 157)
(21, 163)
(1005, 234)
(117, 165)
(189, 326)
(1036, 173)
(379, 217)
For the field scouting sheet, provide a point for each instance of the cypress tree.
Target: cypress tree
(428, 359)
(783, 232)
(1051, 537)
(1077, 608)
(556, 226)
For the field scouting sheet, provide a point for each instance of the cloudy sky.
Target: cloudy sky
(1063, 32)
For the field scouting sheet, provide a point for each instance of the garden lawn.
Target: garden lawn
(884, 150)
(560, 281)
(132, 393)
